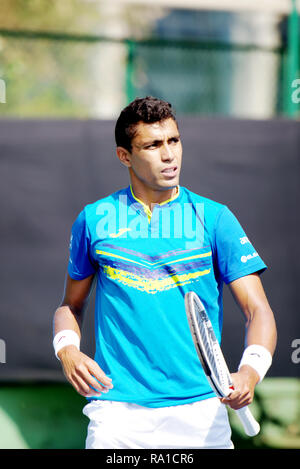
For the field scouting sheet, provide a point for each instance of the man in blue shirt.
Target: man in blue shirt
(147, 245)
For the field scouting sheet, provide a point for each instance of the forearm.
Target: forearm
(69, 315)
(261, 328)
(84, 374)
(260, 331)
(260, 339)
(260, 323)
(65, 318)
(66, 330)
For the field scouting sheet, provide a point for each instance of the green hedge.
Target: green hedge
(49, 416)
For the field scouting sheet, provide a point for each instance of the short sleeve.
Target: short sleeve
(236, 256)
(80, 264)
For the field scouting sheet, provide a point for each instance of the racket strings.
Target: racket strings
(211, 357)
(211, 346)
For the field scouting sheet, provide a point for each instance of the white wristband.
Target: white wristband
(63, 338)
(259, 358)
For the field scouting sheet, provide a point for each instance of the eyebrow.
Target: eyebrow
(157, 140)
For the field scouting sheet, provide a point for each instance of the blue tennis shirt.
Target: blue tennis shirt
(145, 262)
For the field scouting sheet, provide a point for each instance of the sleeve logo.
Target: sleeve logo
(247, 258)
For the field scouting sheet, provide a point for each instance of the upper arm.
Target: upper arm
(77, 293)
(249, 294)
(236, 256)
(81, 268)
(81, 264)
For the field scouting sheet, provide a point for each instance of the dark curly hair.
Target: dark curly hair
(147, 110)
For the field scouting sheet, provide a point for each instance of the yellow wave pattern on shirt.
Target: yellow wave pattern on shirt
(146, 263)
(152, 285)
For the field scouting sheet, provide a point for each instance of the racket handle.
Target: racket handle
(251, 426)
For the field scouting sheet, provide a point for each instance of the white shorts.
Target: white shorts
(118, 425)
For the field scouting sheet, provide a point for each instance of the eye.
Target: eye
(152, 146)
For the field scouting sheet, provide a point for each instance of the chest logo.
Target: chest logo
(119, 233)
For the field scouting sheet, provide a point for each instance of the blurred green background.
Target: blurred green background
(87, 59)
(49, 416)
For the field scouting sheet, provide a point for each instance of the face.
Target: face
(155, 158)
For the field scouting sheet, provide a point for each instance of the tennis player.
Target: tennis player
(145, 246)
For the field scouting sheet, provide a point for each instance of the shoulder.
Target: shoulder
(97, 207)
(211, 208)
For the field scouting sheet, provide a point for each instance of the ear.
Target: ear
(124, 156)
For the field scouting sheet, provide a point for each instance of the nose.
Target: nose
(166, 153)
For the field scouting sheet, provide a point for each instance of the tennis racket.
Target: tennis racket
(212, 359)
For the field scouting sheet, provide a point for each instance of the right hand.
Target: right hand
(83, 373)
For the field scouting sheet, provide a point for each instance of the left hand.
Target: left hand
(244, 382)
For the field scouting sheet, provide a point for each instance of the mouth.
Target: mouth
(170, 172)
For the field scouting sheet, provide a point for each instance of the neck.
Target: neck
(150, 197)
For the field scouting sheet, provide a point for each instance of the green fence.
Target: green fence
(79, 76)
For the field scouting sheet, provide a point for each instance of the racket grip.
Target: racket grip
(251, 426)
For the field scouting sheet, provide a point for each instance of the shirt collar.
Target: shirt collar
(146, 208)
